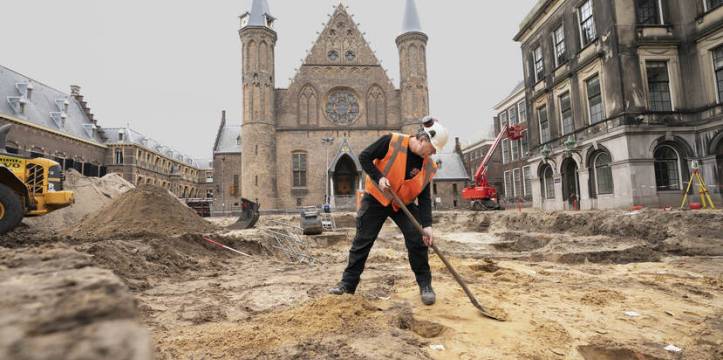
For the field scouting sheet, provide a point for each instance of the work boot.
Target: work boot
(428, 295)
(341, 288)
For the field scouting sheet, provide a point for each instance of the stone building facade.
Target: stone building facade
(517, 174)
(624, 98)
(60, 126)
(227, 170)
(341, 91)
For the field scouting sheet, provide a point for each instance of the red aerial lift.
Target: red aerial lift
(481, 194)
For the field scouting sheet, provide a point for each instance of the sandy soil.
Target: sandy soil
(584, 285)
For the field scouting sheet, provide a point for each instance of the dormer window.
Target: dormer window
(120, 136)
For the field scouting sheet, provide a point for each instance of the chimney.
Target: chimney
(457, 146)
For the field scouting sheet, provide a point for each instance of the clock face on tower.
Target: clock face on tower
(342, 108)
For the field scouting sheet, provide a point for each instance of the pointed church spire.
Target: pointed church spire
(259, 15)
(411, 18)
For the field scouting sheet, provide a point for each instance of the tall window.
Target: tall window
(236, 189)
(568, 125)
(658, 86)
(594, 100)
(119, 156)
(712, 4)
(585, 15)
(505, 151)
(539, 64)
(544, 125)
(524, 141)
(522, 109)
(514, 120)
(558, 39)
(509, 191)
(503, 119)
(548, 183)
(299, 169)
(667, 168)
(515, 149)
(527, 174)
(517, 178)
(718, 63)
(648, 12)
(603, 173)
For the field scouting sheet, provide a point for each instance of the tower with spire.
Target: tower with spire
(412, 46)
(258, 130)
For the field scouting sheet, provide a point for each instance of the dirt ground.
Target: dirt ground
(575, 285)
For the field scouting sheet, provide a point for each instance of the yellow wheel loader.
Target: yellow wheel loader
(28, 187)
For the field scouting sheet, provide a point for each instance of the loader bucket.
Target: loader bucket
(249, 216)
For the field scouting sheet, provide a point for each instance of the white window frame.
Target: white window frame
(519, 112)
(515, 155)
(509, 118)
(545, 194)
(597, 178)
(526, 190)
(524, 134)
(504, 158)
(678, 164)
(579, 22)
(539, 122)
(534, 62)
(715, 79)
(554, 43)
(660, 12)
(508, 174)
(670, 80)
(518, 173)
(562, 119)
(587, 98)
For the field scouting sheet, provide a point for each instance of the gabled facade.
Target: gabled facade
(341, 91)
(623, 100)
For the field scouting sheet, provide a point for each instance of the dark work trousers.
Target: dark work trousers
(369, 222)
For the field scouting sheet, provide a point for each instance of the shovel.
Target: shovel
(485, 312)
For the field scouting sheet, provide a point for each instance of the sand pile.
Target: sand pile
(324, 328)
(91, 195)
(145, 211)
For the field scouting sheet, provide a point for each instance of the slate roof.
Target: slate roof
(124, 135)
(45, 107)
(411, 21)
(451, 167)
(258, 13)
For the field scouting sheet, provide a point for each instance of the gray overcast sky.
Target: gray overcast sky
(169, 67)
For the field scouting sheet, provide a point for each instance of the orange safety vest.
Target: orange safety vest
(393, 166)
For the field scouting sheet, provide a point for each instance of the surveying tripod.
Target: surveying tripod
(705, 198)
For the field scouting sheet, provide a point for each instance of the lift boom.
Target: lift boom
(481, 194)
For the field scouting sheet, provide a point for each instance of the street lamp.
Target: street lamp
(327, 142)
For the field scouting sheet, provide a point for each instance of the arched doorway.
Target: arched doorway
(570, 183)
(345, 180)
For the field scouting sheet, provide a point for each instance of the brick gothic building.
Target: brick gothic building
(624, 97)
(341, 91)
(60, 126)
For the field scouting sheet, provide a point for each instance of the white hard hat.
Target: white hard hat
(438, 134)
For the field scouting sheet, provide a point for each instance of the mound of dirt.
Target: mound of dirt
(91, 195)
(143, 212)
(138, 261)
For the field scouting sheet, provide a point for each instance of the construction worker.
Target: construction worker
(403, 164)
